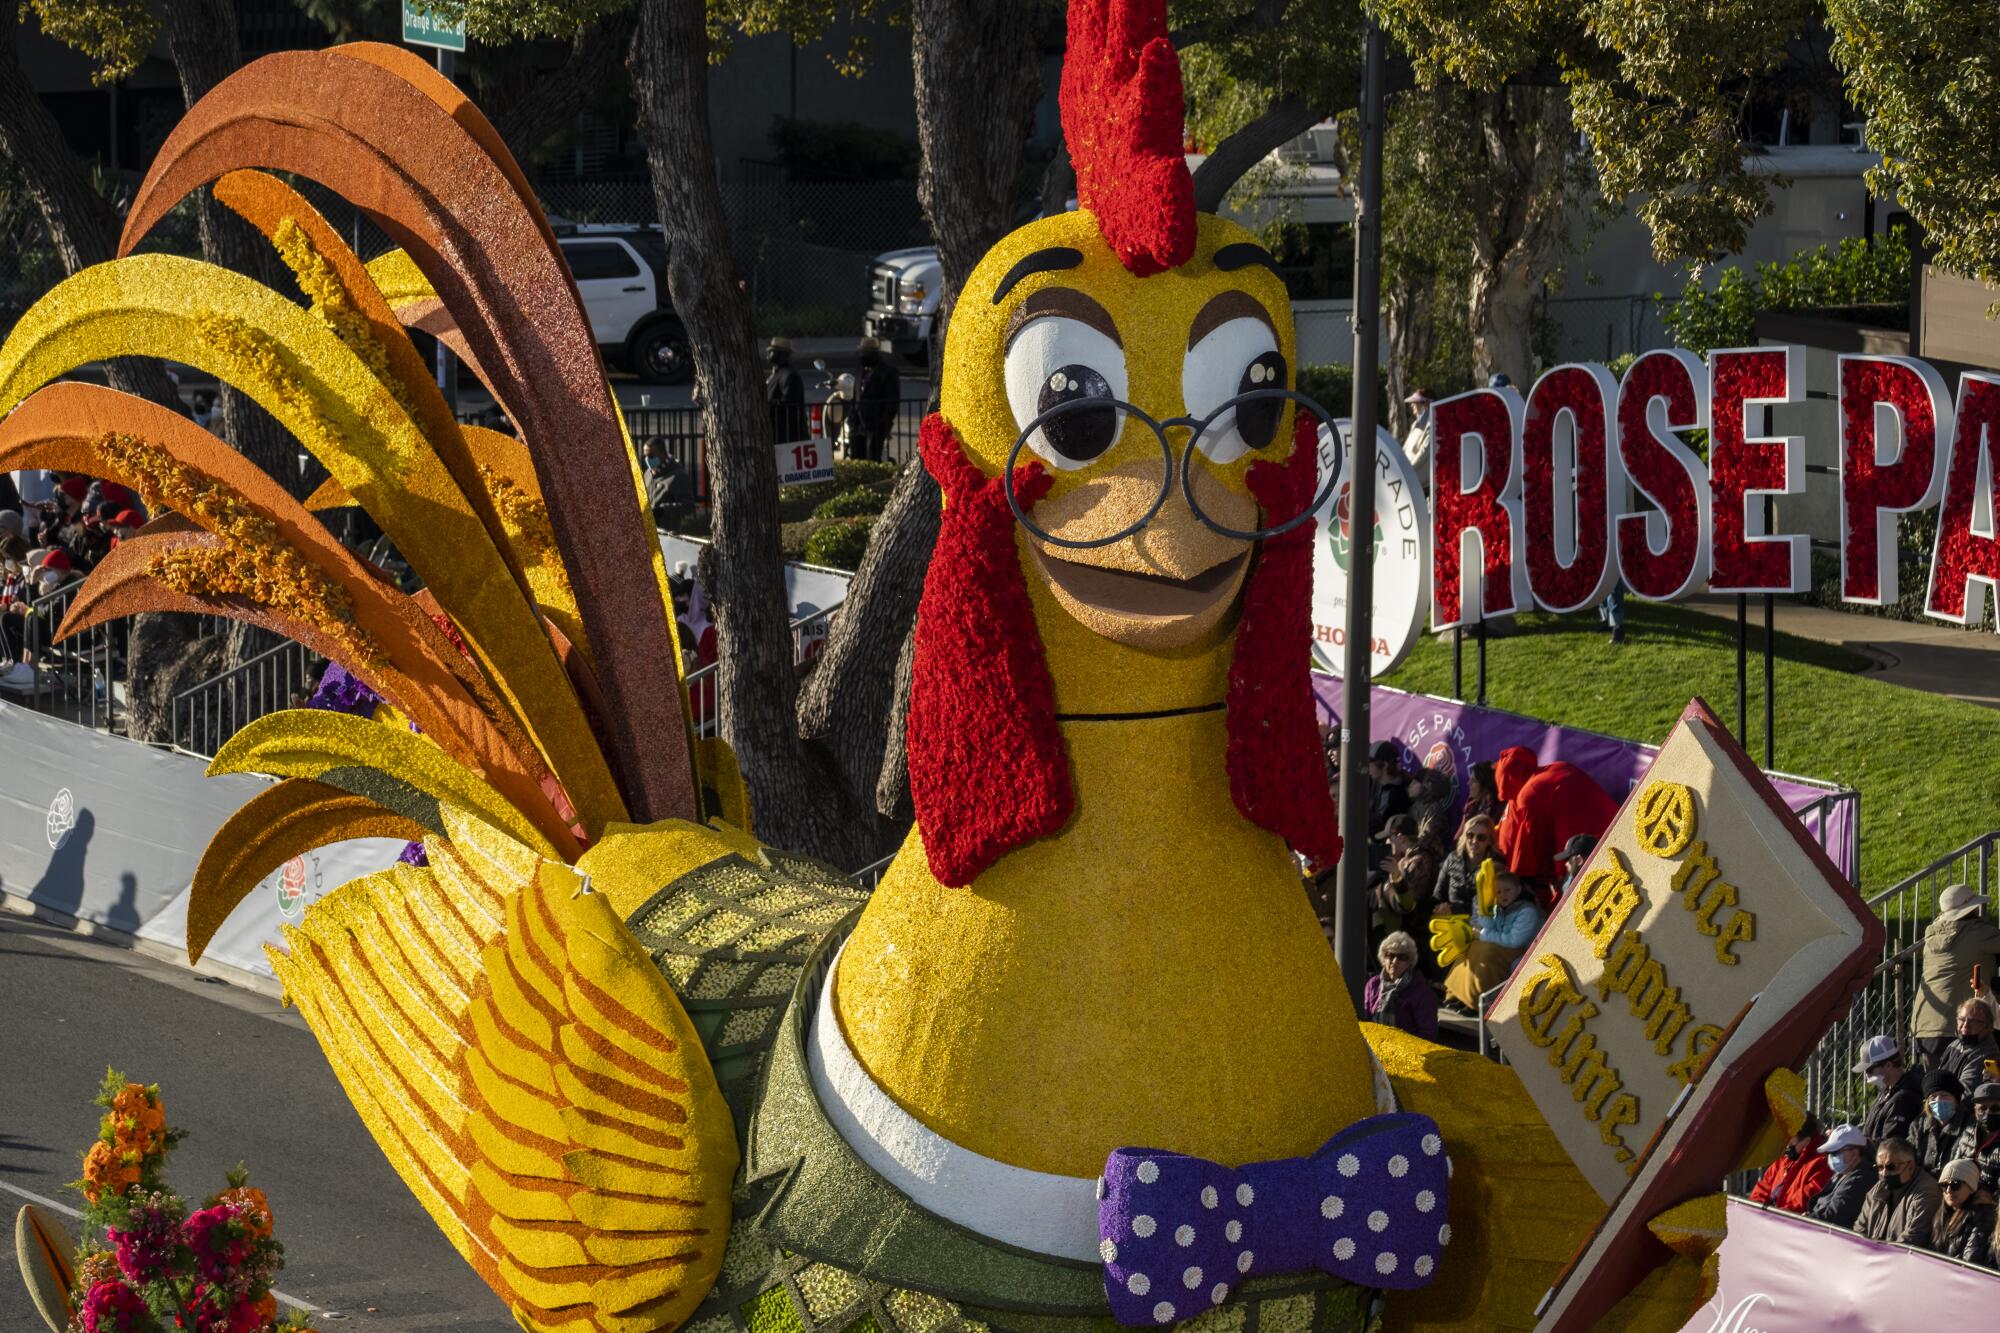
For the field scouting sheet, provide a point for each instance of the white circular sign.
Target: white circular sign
(1402, 537)
(61, 820)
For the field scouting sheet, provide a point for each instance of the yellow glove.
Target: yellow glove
(1487, 879)
(1450, 937)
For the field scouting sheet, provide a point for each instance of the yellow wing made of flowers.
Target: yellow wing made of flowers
(514, 1051)
(530, 1076)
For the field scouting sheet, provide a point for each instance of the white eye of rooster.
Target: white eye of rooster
(1052, 360)
(1236, 357)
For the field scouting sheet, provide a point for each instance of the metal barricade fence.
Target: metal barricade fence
(679, 431)
(809, 634)
(203, 717)
(73, 678)
(1883, 1007)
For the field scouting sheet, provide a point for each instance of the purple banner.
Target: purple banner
(1450, 736)
(1783, 1273)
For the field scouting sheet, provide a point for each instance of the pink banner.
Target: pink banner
(1782, 1273)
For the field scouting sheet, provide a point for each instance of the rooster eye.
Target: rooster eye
(1237, 357)
(1052, 361)
(1085, 432)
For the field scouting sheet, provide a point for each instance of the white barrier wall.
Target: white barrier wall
(108, 831)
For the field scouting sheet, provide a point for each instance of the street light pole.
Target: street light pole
(1350, 906)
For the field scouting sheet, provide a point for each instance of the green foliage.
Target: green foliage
(1923, 752)
(1234, 61)
(116, 35)
(798, 503)
(857, 503)
(1854, 273)
(1926, 74)
(1332, 387)
(807, 21)
(839, 544)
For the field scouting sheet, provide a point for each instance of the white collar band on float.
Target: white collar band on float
(1036, 1211)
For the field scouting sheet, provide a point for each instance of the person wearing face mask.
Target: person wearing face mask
(1899, 1092)
(1960, 939)
(1902, 1205)
(784, 394)
(1846, 1155)
(1981, 1142)
(875, 406)
(1947, 1115)
(1964, 1226)
(1975, 1044)
(1799, 1175)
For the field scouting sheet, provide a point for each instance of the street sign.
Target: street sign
(802, 461)
(422, 29)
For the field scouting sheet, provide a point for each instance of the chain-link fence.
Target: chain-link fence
(1597, 328)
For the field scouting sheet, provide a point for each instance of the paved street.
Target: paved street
(244, 1076)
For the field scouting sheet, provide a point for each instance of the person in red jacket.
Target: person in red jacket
(1798, 1176)
(1547, 805)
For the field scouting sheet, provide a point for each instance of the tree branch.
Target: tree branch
(1284, 120)
(1262, 16)
(545, 104)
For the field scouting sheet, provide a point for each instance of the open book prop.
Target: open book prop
(1708, 941)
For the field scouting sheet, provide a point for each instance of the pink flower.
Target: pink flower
(223, 1245)
(146, 1245)
(113, 1307)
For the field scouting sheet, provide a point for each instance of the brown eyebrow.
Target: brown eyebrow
(1053, 259)
(1225, 307)
(1068, 303)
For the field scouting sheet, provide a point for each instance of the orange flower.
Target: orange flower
(267, 1308)
(131, 1100)
(259, 1219)
(105, 1168)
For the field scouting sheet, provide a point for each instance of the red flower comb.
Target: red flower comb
(1122, 117)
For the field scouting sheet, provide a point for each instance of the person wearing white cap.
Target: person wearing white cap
(1899, 1092)
(1417, 443)
(1963, 1228)
(1961, 938)
(1846, 1151)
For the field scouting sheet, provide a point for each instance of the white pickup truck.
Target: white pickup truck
(903, 291)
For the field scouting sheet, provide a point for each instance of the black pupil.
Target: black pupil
(1081, 433)
(1257, 420)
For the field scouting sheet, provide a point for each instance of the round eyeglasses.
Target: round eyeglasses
(1223, 416)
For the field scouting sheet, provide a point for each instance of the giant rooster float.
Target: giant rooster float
(1084, 1052)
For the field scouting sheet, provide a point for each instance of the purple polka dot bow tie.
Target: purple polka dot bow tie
(1179, 1233)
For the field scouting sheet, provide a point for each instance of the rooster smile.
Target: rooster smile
(1142, 609)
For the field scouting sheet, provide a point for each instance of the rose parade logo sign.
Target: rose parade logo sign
(291, 886)
(1401, 537)
(61, 819)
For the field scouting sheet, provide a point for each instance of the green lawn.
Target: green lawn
(1926, 766)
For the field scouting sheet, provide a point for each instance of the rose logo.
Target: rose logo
(291, 886)
(62, 819)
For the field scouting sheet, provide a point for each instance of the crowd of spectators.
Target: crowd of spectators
(1921, 1168)
(1474, 881)
(55, 527)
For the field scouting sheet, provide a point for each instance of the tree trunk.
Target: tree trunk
(1520, 222)
(539, 106)
(201, 40)
(979, 74)
(794, 806)
(79, 222)
(1283, 120)
(850, 700)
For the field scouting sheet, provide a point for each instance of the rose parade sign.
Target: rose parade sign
(1546, 502)
(1705, 942)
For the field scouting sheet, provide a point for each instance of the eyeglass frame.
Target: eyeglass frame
(1159, 428)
